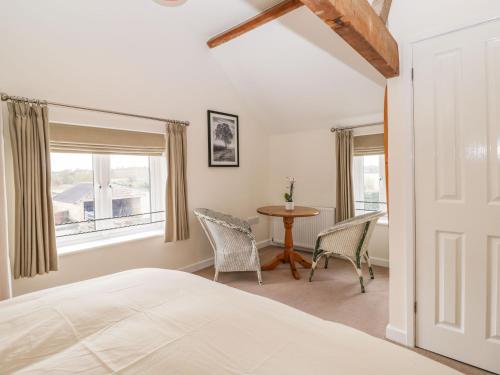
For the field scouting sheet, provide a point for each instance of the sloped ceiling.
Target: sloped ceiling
(293, 73)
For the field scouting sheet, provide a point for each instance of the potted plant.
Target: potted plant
(289, 204)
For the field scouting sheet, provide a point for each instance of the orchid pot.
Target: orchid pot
(289, 204)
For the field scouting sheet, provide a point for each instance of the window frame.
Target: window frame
(359, 176)
(103, 204)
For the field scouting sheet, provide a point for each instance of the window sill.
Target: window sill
(96, 244)
(384, 220)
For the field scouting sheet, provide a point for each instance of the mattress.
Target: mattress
(155, 321)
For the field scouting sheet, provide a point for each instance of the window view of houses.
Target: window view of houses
(99, 192)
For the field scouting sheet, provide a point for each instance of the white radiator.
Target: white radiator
(305, 229)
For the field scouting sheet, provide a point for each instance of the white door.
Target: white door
(457, 183)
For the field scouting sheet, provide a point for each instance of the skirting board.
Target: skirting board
(198, 265)
(380, 262)
(263, 244)
(375, 261)
(194, 267)
(395, 334)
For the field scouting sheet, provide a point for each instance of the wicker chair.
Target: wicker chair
(348, 239)
(233, 242)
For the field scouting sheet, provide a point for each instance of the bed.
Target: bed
(155, 321)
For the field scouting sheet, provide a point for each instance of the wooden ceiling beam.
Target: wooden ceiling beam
(357, 23)
(261, 19)
(382, 8)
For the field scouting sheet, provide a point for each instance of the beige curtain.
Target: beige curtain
(34, 236)
(345, 195)
(177, 226)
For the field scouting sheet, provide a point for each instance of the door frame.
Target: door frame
(411, 256)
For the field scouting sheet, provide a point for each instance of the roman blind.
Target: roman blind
(372, 144)
(87, 139)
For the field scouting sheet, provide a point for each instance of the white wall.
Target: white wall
(309, 156)
(408, 22)
(5, 274)
(135, 57)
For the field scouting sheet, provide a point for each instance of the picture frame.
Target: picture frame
(223, 139)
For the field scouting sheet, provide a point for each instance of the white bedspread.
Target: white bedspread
(152, 321)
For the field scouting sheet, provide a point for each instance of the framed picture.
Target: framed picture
(223, 140)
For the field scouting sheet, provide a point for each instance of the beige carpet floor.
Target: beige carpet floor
(333, 295)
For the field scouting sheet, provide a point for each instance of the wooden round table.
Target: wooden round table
(288, 255)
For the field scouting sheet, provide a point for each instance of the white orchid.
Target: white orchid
(289, 196)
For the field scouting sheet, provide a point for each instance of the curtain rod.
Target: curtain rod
(6, 97)
(333, 130)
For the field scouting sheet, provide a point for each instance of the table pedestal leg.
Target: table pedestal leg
(288, 255)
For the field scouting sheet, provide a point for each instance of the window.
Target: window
(369, 183)
(96, 195)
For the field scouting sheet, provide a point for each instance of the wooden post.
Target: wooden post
(386, 149)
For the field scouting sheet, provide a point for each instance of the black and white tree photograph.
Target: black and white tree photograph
(223, 140)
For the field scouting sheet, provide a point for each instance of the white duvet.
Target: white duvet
(152, 321)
